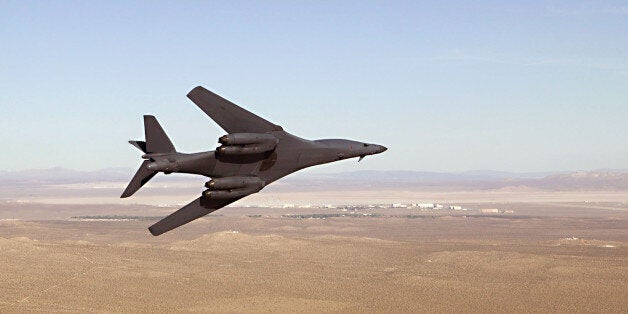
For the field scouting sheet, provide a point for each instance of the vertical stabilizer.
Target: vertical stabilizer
(156, 139)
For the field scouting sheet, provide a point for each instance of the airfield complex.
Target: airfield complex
(410, 206)
(324, 211)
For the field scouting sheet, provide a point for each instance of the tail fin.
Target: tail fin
(157, 142)
(156, 139)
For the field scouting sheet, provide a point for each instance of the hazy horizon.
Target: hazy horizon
(323, 170)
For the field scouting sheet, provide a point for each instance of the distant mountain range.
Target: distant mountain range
(412, 176)
(604, 179)
(59, 175)
(583, 180)
(580, 180)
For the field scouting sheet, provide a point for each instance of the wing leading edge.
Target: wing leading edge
(231, 117)
(192, 211)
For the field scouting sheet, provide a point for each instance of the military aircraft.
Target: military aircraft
(253, 153)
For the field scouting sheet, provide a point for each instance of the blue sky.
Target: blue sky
(530, 86)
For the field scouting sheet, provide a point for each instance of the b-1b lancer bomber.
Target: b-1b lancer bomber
(253, 153)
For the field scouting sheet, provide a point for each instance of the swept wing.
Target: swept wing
(194, 210)
(231, 117)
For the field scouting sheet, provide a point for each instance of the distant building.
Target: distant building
(288, 205)
(438, 206)
(425, 205)
(399, 206)
(455, 207)
(489, 210)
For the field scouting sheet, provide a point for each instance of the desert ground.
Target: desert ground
(551, 254)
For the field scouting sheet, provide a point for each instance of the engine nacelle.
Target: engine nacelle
(232, 187)
(245, 149)
(234, 183)
(228, 194)
(246, 143)
(248, 138)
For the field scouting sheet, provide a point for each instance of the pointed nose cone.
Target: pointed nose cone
(380, 149)
(376, 149)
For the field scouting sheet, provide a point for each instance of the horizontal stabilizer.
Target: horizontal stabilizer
(194, 210)
(156, 139)
(140, 178)
(141, 145)
(231, 117)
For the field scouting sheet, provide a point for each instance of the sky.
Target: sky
(520, 86)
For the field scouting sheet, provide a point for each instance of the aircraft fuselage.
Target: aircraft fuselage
(292, 154)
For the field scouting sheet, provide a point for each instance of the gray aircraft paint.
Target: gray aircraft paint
(274, 161)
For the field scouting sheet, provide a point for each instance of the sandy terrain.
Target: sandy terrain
(555, 257)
